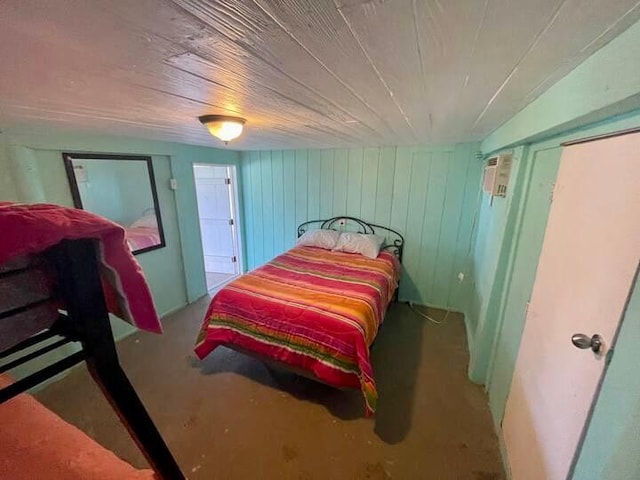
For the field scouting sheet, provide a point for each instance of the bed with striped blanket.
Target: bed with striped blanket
(311, 309)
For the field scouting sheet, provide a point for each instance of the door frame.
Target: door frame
(235, 211)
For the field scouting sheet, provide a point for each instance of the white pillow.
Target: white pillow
(319, 238)
(364, 244)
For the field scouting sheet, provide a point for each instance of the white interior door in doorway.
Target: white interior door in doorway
(586, 270)
(218, 224)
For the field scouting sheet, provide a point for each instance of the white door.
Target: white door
(587, 264)
(216, 210)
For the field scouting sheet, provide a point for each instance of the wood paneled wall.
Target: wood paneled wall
(427, 194)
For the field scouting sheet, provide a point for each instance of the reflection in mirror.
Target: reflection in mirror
(122, 189)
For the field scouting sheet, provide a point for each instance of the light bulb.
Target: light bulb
(223, 127)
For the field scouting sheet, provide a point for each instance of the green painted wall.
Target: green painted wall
(493, 231)
(509, 308)
(506, 257)
(510, 234)
(35, 173)
(511, 269)
(428, 194)
(187, 205)
(611, 450)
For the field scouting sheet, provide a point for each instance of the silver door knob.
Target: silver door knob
(583, 341)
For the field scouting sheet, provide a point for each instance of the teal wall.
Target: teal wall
(508, 243)
(520, 259)
(34, 172)
(540, 169)
(187, 205)
(428, 194)
(493, 231)
(510, 235)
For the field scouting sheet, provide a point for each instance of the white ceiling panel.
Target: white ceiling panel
(304, 73)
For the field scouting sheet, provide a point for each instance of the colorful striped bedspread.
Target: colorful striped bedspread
(309, 308)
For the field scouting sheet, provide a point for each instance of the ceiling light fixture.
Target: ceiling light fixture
(224, 127)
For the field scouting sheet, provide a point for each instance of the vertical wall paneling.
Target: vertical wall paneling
(301, 187)
(354, 182)
(326, 183)
(313, 182)
(340, 172)
(370, 163)
(433, 220)
(246, 172)
(428, 194)
(465, 230)
(278, 200)
(258, 240)
(266, 175)
(418, 188)
(401, 190)
(289, 196)
(384, 188)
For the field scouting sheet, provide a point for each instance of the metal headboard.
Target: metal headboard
(394, 241)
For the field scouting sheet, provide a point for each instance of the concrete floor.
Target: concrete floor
(215, 279)
(230, 417)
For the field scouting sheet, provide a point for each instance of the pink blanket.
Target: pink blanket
(37, 444)
(30, 229)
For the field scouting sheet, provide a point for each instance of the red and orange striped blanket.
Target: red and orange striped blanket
(309, 308)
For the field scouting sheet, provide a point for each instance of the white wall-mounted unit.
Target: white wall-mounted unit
(496, 175)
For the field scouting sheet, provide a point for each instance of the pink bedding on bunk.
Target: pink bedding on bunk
(31, 229)
(37, 444)
(142, 237)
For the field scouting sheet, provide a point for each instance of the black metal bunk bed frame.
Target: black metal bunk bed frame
(86, 321)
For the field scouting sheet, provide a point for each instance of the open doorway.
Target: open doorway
(216, 193)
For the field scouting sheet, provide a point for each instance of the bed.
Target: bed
(313, 310)
(61, 272)
(143, 234)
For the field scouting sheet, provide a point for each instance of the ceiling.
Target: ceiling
(304, 73)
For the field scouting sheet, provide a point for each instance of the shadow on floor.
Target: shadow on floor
(395, 355)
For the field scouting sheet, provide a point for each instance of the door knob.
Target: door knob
(583, 341)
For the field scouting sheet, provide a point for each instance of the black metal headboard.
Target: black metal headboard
(394, 241)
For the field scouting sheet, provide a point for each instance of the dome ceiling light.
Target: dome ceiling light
(224, 127)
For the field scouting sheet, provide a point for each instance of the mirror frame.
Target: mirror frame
(68, 158)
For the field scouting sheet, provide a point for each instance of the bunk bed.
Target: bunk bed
(314, 311)
(56, 291)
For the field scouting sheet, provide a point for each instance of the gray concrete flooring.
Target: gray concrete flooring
(231, 417)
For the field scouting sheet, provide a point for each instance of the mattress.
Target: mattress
(37, 444)
(309, 308)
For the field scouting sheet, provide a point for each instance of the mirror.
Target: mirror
(121, 188)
